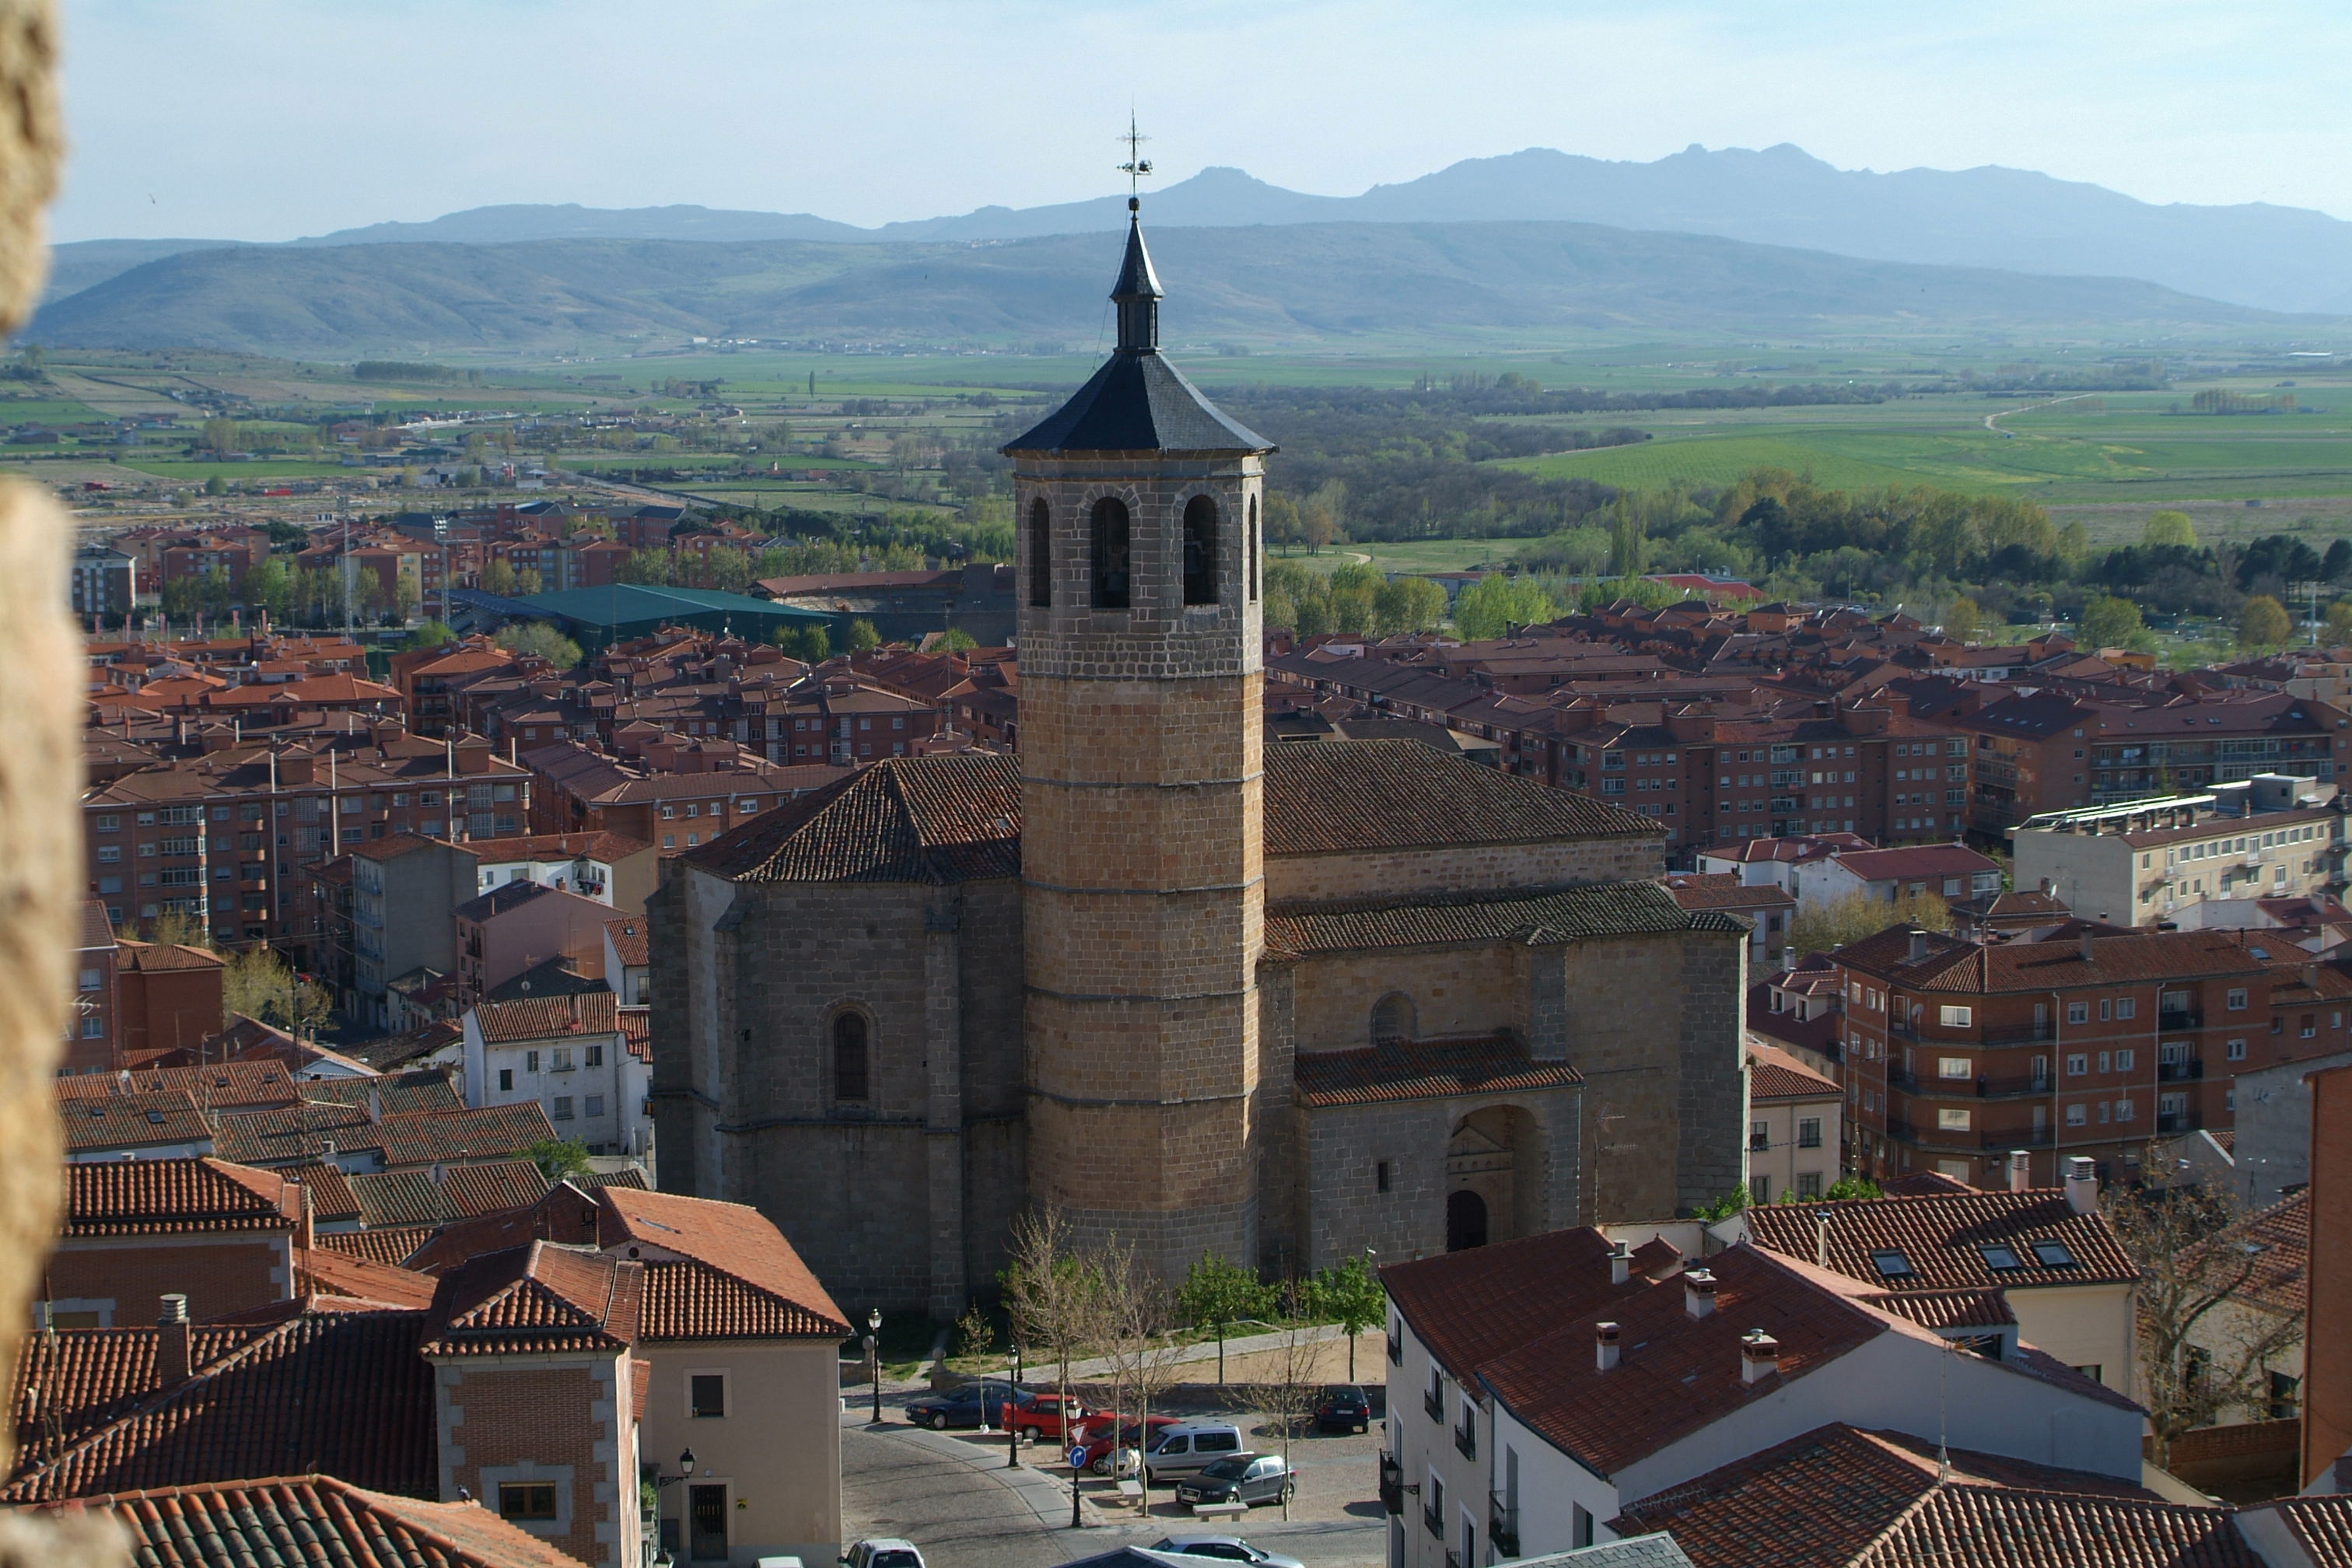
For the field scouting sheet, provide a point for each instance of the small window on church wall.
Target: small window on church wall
(1392, 1019)
(851, 1080)
(1109, 534)
(1199, 550)
(1040, 553)
(1252, 551)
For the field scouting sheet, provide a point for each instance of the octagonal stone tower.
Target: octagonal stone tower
(1142, 836)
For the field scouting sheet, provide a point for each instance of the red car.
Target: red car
(1050, 1417)
(1094, 1437)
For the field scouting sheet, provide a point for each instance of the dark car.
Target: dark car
(1343, 1408)
(1251, 1478)
(965, 1406)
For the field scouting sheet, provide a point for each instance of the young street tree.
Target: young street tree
(1053, 1293)
(1349, 1294)
(1832, 923)
(260, 984)
(2204, 1350)
(1292, 1367)
(1217, 1294)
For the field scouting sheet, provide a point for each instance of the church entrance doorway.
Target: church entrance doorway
(1465, 1221)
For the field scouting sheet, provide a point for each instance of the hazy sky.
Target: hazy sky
(269, 119)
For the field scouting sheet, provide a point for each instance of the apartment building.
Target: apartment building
(516, 925)
(2194, 859)
(1796, 1134)
(567, 1054)
(1955, 1054)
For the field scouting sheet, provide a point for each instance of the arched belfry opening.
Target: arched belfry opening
(1201, 551)
(1040, 553)
(1109, 528)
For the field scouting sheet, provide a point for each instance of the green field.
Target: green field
(258, 469)
(1411, 555)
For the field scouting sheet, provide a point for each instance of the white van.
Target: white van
(1182, 1449)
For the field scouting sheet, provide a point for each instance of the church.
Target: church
(1282, 1003)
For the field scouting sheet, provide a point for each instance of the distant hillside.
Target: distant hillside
(2271, 258)
(1297, 284)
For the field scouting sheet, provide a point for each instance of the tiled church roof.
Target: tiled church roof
(1423, 1070)
(1401, 795)
(1569, 914)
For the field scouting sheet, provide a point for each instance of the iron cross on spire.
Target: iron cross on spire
(1137, 166)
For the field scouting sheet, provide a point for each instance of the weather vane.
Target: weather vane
(1137, 166)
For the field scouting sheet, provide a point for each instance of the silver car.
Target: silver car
(883, 1552)
(1227, 1548)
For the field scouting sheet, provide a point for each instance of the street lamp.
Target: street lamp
(1012, 1426)
(874, 1357)
(685, 1468)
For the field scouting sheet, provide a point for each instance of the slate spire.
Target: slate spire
(1136, 292)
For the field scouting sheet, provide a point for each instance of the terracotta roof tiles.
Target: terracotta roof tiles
(1396, 795)
(543, 1297)
(149, 1197)
(392, 1244)
(546, 1017)
(399, 1198)
(734, 1238)
(1774, 1074)
(1424, 1069)
(221, 1087)
(1569, 914)
(316, 1522)
(1943, 1239)
(1469, 1305)
(133, 1121)
(2322, 1526)
(493, 1186)
(629, 941)
(903, 819)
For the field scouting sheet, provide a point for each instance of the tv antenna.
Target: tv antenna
(1137, 166)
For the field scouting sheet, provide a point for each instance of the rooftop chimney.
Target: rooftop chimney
(1821, 1237)
(1759, 1356)
(305, 1237)
(2086, 946)
(171, 1343)
(1605, 1353)
(1919, 947)
(2021, 1170)
(2081, 1185)
(1621, 1265)
(1699, 1293)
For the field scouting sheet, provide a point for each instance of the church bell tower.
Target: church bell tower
(1137, 505)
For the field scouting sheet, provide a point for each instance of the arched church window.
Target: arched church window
(1392, 1019)
(1109, 528)
(1040, 553)
(1253, 549)
(1199, 550)
(852, 1070)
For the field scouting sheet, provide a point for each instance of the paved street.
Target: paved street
(950, 1494)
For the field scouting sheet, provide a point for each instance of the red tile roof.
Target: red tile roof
(442, 1137)
(1942, 1236)
(492, 1187)
(637, 1031)
(1398, 795)
(400, 1198)
(288, 1134)
(546, 1017)
(420, 1088)
(911, 819)
(134, 1121)
(2322, 1526)
(152, 1197)
(327, 1271)
(2277, 1269)
(1568, 914)
(1424, 1069)
(337, 1391)
(540, 1300)
(734, 1239)
(1838, 1497)
(597, 845)
(392, 1243)
(1774, 1074)
(565, 1213)
(2034, 966)
(1468, 1307)
(328, 1192)
(225, 1085)
(316, 1522)
(1922, 1182)
(1921, 861)
(629, 941)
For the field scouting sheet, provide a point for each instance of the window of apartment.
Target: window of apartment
(2126, 1006)
(2077, 1064)
(1952, 1118)
(563, 1058)
(2078, 1012)
(1809, 1132)
(669, 840)
(110, 854)
(706, 1393)
(505, 1080)
(108, 822)
(2123, 1110)
(530, 1061)
(2237, 999)
(1954, 1017)
(562, 1111)
(1951, 1067)
(2104, 1062)
(2235, 1050)
(2124, 1060)
(592, 1056)
(2054, 1254)
(2310, 1024)
(669, 812)
(1999, 1255)
(527, 1500)
(2106, 1009)
(2076, 1116)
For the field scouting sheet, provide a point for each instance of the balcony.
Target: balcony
(1434, 1406)
(2015, 1034)
(2186, 1071)
(1466, 1441)
(1433, 1522)
(1502, 1525)
(2170, 1018)
(2020, 1137)
(2188, 1120)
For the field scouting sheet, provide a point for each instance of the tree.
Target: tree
(1491, 606)
(1287, 1397)
(1962, 621)
(656, 567)
(1734, 1202)
(2262, 623)
(2339, 629)
(975, 1335)
(1322, 516)
(527, 581)
(178, 928)
(2170, 528)
(214, 485)
(862, 636)
(955, 639)
(1217, 1294)
(430, 634)
(499, 577)
(816, 643)
(2110, 621)
(1827, 924)
(270, 584)
(1408, 605)
(730, 571)
(1348, 1294)
(259, 983)
(537, 639)
(1283, 525)
(2203, 1349)
(560, 1159)
(1053, 1293)
(2337, 564)
(1353, 589)
(1137, 1313)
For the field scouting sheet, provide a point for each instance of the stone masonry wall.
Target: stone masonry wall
(1454, 991)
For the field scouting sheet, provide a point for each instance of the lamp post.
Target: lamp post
(874, 1357)
(1012, 1426)
(685, 1468)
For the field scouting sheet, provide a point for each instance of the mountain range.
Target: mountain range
(2269, 257)
(1314, 285)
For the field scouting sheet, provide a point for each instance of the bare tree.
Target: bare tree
(1287, 1397)
(2205, 1344)
(1053, 1293)
(1138, 1312)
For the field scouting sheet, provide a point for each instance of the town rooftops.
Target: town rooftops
(315, 1520)
(629, 940)
(598, 846)
(1839, 1496)
(1424, 1069)
(1468, 1307)
(919, 819)
(727, 1246)
(499, 900)
(134, 1119)
(2134, 958)
(546, 1017)
(1944, 1240)
(1568, 914)
(1774, 1074)
(1922, 862)
(540, 1298)
(1401, 795)
(155, 1197)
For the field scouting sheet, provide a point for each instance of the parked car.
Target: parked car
(1343, 1408)
(965, 1406)
(1050, 1417)
(1181, 1449)
(1251, 1478)
(883, 1552)
(1096, 1451)
(1226, 1548)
